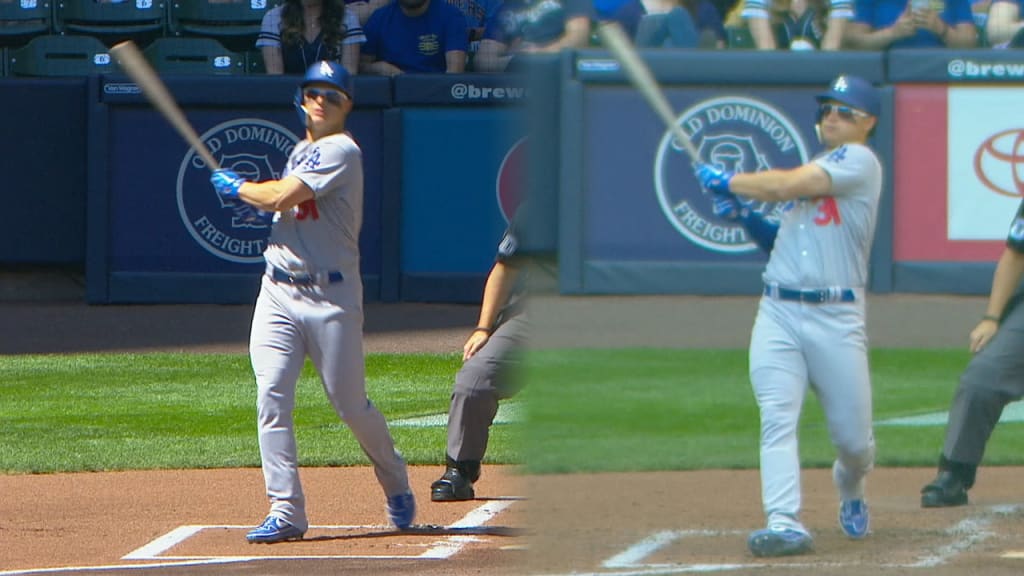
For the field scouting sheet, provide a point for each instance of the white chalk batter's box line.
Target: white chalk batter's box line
(152, 552)
(963, 536)
(445, 548)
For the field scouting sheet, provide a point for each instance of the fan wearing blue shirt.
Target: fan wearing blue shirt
(885, 24)
(424, 36)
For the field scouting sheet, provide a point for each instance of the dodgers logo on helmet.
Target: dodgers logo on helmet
(251, 147)
(733, 133)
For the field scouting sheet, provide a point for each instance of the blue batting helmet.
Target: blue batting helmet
(853, 91)
(327, 72)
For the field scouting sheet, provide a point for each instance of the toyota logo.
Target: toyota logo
(999, 162)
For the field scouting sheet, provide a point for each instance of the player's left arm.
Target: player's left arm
(809, 180)
(276, 195)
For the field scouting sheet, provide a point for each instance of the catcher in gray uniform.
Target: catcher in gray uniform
(490, 356)
(993, 378)
(311, 303)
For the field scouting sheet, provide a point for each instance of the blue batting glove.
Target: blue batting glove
(249, 216)
(713, 179)
(726, 206)
(226, 183)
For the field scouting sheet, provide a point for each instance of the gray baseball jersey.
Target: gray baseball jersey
(322, 234)
(823, 242)
(826, 241)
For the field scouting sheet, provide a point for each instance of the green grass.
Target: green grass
(616, 410)
(588, 410)
(142, 411)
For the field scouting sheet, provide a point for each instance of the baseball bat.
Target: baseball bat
(615, 39)
(135, 65)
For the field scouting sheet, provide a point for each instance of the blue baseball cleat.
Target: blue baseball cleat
(854, 518)
(779, 541)
(273, 530)
(401, 510)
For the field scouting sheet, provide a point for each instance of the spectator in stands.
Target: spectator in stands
(1004, 25)
(797, 24)
(298, 33)
(482, 22)
(880, 25)
(363, 8)
(481, 15)
(535, 26)
(680, 24)
(626, 12)
(423, 36)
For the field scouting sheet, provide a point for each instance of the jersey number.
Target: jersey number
(307, 209)
(828, 212)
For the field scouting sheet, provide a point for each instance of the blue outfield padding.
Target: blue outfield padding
(446, 157)
(44, 143)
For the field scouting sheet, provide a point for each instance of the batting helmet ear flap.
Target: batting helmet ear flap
(300, 109)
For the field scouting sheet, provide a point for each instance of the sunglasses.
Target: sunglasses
(335, 97)
(844, 112)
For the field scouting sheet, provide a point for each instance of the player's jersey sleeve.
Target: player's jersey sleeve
(327, 164)
(854, 170)
(270, 30)
(1015, 240)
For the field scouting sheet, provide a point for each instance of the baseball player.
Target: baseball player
(489, 356)
(810, 327)
(310, 303)
(993, 378)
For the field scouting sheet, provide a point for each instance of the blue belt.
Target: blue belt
(317, 279)
(810, 296)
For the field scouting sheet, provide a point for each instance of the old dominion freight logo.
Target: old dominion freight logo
(256, 150)
(735, 134)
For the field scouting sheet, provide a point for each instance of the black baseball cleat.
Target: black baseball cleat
(945, 491)
(452, 487)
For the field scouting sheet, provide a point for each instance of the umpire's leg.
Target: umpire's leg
(993, 378)
(483, 380)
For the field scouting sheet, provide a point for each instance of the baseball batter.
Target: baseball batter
(310, 304)
(810, 327)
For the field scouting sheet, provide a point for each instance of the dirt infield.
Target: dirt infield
(697, 522)
(198, 518)
(607, 524)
